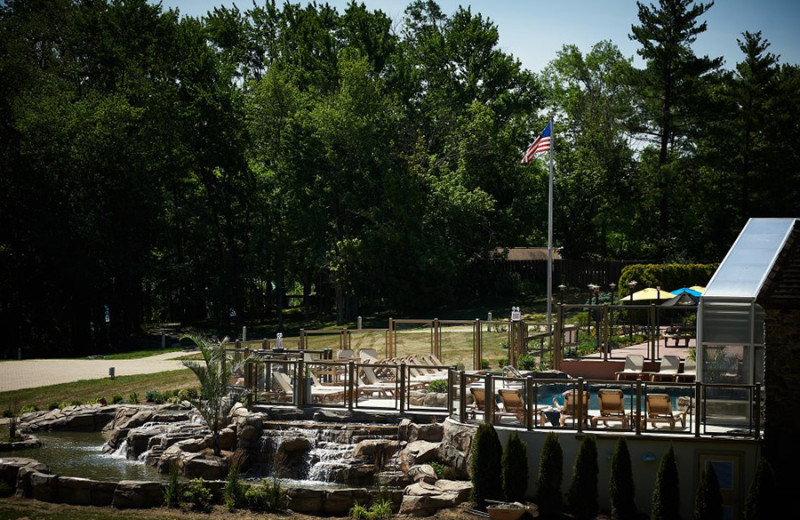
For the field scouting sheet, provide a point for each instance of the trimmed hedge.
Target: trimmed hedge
(667, 276)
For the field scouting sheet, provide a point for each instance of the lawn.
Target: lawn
(89, 390)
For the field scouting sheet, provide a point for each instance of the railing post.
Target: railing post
(757, 409)
(391, 341)
(698, 404)
(488, 405)
(301, 380)
(529, 402)
(579, 405)
(402, 387)
(351, 370)
(449, 391)
(638, 407)
(558, 338)
(462, 397)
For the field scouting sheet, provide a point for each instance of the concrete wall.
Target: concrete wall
(646, 452)
(599, 369)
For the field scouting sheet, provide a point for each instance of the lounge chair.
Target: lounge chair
(321, 393)
(346, 354)
(667, 370)
(479, 402)
(634, 364)
(368, 355)
(570, 409)
(284, 385)
(689, 373)
(659, 410)
(612, 407)
(513, 403)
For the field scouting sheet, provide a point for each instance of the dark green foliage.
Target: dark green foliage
(5, 489)
(196, 496)
(515, 469)
(527, 362)
(485, 466)
(582, 494)
(762, 502)
(620, 487)
(117, 399)
(154, 396)
(667, 276)
(548, 481)
(172, 491)
(708, 499)
(439, 385)
(270, 496)
(666, 495)
(234, 493)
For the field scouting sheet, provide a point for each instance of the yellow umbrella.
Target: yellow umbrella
(650, 293)
(698, 288)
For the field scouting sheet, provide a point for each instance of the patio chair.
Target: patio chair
(570, 409)
(667, 370)
(284, 384)
(346, 354)
(612, 407)
(634, 365)
(479, 402)
(659, 410)
(689, 373)
(368, 355)
(513, 403)
(326, 393)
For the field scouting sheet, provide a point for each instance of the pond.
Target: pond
(79, 454)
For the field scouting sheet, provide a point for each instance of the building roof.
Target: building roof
(524, 254)
(746, 268)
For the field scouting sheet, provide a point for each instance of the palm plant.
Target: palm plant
(216, 399)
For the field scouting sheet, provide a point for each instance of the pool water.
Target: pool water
(79, 454)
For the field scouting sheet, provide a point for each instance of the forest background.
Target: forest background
(197, 170)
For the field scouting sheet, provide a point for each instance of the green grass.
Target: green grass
(88, 390)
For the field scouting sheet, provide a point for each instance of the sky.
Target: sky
(535, 30)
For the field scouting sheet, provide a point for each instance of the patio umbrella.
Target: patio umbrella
(687, 290)
(650, 293)
(698, 288)
(684, 298)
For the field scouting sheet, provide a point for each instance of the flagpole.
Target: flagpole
(550, 237)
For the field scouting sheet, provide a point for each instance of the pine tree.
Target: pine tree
(485, 465)
(582, 495)
(708, 500)
(548, 482)
(623, 506)
(515, 469)
(666, 495)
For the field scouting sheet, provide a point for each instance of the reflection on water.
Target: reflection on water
(79, 454)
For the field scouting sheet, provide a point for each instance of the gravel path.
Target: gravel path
(32, 373)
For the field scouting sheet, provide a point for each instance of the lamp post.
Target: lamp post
(631, 286)
(561, 293)
(595, 290)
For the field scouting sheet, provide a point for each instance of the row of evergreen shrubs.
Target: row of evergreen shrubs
(582, 495)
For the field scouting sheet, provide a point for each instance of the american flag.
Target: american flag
(539, 146)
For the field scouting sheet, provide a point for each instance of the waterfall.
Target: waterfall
(121, 452)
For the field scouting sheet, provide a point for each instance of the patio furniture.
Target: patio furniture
(612, 407)
(689, 373)
(569, 412)
(667, 370)
(513, 403)
(659, 410)
(634, 365)
(479, 403)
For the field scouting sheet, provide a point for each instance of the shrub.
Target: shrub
(485, 364)
(623, 506)
(133, 398)
(548, 482)
(28, 408)
(117, 399)
(75, 402)
(761, 502)
(666, 495)
(234, 491)
(172, 493)
(527, 362)
(379, 511)
(154, 396)
(515, 469)
(196, 496)
(7, 413)
(52, 406)
(485, 465)
(582, 494)
(708, 499)
(438, 386)
(270, 496)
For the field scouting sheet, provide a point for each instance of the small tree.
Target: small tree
(213, 373)
(623, 506)
(485, 465)
(548, 482)
(582, 495)
(761, 502)
(708, 500)
(515, 469)
(666, 495)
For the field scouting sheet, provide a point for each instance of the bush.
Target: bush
(515, 469)
(485, 465)
(527, 362)
(666, 495)
(172, 493)
(623, 506)
(582, 494)
(234, 491)
(75, 402)
(270, 496)
(708, 499)
(52, 406)
(485, 364)
(117, 399)
(7, 413)
(379, 511)
(28, 408)
(154, 396)
(197, 496)
(548, 482)
(438, 386)
(761, 502)
(133, 398)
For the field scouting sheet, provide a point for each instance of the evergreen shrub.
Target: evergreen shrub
(583, 491)
(761, 502)
(708, 500)
(485, 465)
(666, 495)
(548, 482)
(515, 469)
(623, 505)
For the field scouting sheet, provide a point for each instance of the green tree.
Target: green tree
(582, 494)
(621, 486)
(666, 494)
(708, 499)
(548, 481)
(515, 469)
(485, 464)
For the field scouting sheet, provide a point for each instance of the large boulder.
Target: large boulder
(71, 418)
(419, 452)
(308, 501)
(422, 473)
(340, 501)
(423, 499)
(456, 446)
(12, 468)
(75, 491)
(432, 432)
(375, 450)
(44, 487)
(131, 494)
(197, 465)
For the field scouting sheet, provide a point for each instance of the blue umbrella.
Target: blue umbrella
(686, 290)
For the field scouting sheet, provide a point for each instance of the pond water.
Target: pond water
(79, 454)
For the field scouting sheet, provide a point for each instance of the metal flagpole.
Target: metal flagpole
(550, 237)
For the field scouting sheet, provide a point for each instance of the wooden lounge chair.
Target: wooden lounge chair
(689, 373)
(659, 410)
(322, 393)
(346, 354)
(570, 409)
(479, 402)
(612, 407)
(513, 403)
(368, 355)
(634, 364)
(667, 370)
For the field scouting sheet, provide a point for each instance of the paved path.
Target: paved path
(32, 373)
